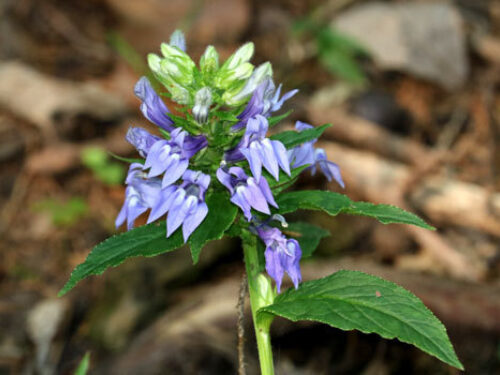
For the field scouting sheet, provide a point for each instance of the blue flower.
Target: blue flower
(330, 169)
(140, 195)
(264, 101)
(171, 157)
(259, 150)
(141, 139)
(152, 106)
(245, 191)
(184, 203)
(307, 154)
(282, 255)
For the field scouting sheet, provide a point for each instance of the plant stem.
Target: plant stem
(258, 300)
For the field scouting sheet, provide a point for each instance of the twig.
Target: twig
(241, 325)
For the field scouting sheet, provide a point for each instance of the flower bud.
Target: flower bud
(177, 72)
(177, 56)
(227, 78)
(154, 62)
(202, 102)
(263, 72)
(209, 62)
(242, 55)
(178, 40)
(169, 51)
(266, 292)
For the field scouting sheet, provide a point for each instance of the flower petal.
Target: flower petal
(268, 158)
(194, 219)
(282, 156)
(274, 266)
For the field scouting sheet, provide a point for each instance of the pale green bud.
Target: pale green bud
(243, 71)
(177, 72)
(262, 72)
(227, 78)
(209, 62)
(242, 55)
(265, 290)
(178, 56)
(170, 51)
(154, 62)
(230, 93)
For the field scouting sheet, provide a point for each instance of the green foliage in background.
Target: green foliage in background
(337, 52)
(105, 170)
(63, 213)
(83, 367)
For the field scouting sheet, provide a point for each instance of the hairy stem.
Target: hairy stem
(241, 325)
(257, 300)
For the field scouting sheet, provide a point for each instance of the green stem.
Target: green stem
(258, 299)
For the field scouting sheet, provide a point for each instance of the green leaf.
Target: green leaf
(343, 65)
(63, 213)
(83, 367)
(335, 203)
(308, 236)
(94, 157)
(111, 174)
(226, 116)
(293, 138)
(147, 241)
(354, 300)
(221, 215)
(276, 119)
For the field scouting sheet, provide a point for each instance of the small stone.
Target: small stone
(43, 323)
(425, 39)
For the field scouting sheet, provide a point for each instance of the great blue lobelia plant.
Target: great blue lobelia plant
(214, 171)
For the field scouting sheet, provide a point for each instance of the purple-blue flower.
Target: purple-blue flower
(264, 101)
(307, 154)
(152, 106)
(140, 195)
(259, 150)
(282, 255)
(185, 203)
(141, 139)
(171, 157)
(245, 191)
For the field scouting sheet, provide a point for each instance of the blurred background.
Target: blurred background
(412, 91)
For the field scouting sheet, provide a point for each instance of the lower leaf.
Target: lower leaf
(354, 300)
(148, 240)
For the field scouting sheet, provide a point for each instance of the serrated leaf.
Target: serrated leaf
(292, 138)
(147, 241)
(354, 300)
(308, 236)
(221, 215)
(276, 119)
(335, 203)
